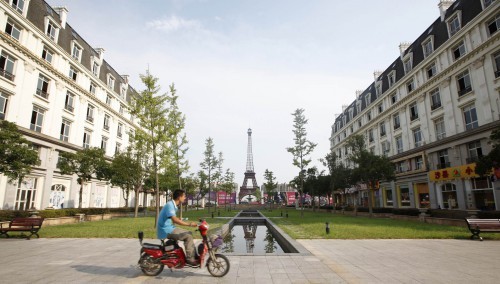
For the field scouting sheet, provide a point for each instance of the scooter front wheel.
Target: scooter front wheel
(218, 266)
(149, 265)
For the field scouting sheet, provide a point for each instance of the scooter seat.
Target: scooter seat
(151, 246)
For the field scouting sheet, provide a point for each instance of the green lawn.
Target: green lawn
(127, 227)
(312, 226)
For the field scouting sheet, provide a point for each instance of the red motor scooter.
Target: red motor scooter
(154, 257)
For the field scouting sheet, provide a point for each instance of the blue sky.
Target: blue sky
(240, 64)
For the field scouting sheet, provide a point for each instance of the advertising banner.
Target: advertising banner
(461, 172)
(290, 197)
(225, 198)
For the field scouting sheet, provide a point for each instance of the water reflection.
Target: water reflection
(250, 238)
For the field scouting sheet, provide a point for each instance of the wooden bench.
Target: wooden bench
(477, 226)
(31, 225)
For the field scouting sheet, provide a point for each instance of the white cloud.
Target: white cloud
(174, 23)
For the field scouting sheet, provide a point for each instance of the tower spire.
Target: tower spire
(248, 189)
(249, 152)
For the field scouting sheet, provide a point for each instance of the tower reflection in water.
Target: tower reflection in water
(250, 238)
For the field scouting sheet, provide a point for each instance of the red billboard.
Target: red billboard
(290, 198)
(225, 198)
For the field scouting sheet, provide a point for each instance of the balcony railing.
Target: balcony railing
(396, 126)
(464, 91)
(7, 74)
(119, 134)
(106, 127)
(42, 93)
(69, 108)
(443, 165)
(413, 117)
(435, 106)
(90, 118)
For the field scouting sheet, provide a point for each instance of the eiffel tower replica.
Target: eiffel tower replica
(246, 188)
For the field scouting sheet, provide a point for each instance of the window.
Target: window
(111, 82)
(413, 111)
(117, 148)
(4, 99)
(42, 88)
(104, 143)
(368, 99)
(76, 52)
(13, 30)
(454, 25)
(396, 121)
(440, 129)
(475, 151)
(344, 118)
(443, 160)
(359, 123)
(92, 88)
(121, 109)
(391, 78)
(382, 129)
(459, 51)
(380, 108)
(51, 30)
(106, 122)
(108, 100)
(123, 92)
(119, 130)
(86, 138)
(7, 66)
(407, 65)
(464, 84)
(37, 119)
(399, 144)
(370, 135)
(386, 147)
(73, 74)
(350, 114)
(90, 113)
(352, 129)
(358, 104)
(419, 163)
(369, 115)
(435, 99)
(388, 197)
(394, 98)
(410, 86)
(95, 69)
(496, 59)
(487, 3)
(378, 89)
(431, 70)
(18, 5)
(401, 167)
(417, 137)
(470, 117)
(64, 135)
(26, 192)
(47, 55)
(493, 25)
(427, 47)
(405, 196)
(69, 102)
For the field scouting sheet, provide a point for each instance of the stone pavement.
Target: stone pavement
(332, 261)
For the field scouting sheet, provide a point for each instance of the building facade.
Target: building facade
(63, 96)
(432, 112)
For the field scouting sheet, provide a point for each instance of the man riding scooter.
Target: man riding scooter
(167, 230)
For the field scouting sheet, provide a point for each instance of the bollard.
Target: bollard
(281, 213)
(212, 215)
(327, 228)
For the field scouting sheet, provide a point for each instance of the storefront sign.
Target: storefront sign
(461, 172)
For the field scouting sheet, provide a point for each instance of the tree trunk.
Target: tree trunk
(80, 197)
(125, 196)
(136, 205)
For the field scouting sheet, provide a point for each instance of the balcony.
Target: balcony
(7, 74)
(106, 127)
(397, 126)
(413, 117)
(435, 106)
(119, 134)
(443, 165)
(69, 108)
(90, 119)
(42, 93)
(464, 91)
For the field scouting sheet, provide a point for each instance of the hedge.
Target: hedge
(7, 215)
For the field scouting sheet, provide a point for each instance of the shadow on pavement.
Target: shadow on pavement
(131, 272)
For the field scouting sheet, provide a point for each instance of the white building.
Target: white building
(432, 112)
(63, 95)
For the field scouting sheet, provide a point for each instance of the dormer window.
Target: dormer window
(18, 5)
(428, 47)
(343, 120)
(454, 24)
(378, 89)
(368, 99)
(123, 92)
(13, 30)
(391, 78)
(76, 51)
(51, 31)
(493, 25)
(408, 64)
(350, 113)
(111, 82)
(358, 107)
(95, 68)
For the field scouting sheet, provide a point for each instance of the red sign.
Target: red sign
(290, 196)
(225, 198)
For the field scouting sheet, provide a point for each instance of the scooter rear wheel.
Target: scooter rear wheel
(219, 266)
(149, 265)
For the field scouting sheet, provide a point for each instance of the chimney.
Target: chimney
(376, 74)
(443, 6)
(358, 94)
(63, 14)
(344, 107)
(125, 78)
(100, 51)
(403, 47)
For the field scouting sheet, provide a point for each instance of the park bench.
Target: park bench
(31, 225)
(477, 226)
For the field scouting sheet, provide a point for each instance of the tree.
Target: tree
(149, 108)
(227, 184)
(270, 183)
(340, 175)
(125, 170)
(302, 148)
(369, 169)
(492, 160)
(16, 155)
(209, 165)
(86, 164)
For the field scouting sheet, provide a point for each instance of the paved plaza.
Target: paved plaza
(331, 261)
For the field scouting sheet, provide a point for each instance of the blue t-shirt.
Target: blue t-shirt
(165, 224)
